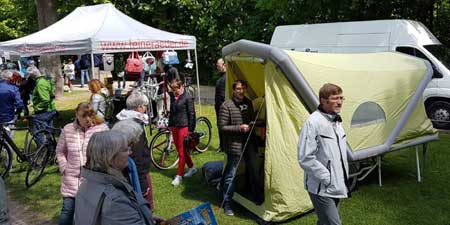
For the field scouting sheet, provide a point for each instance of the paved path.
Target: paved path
(22, 215)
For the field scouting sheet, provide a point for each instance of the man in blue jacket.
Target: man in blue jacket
(322, 153)
(11, 102)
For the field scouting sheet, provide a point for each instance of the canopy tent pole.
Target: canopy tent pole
(198, 82)
(92, 64)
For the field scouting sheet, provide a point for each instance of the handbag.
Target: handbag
(147, 67)
(170, 57)
(162, 123)
(134, 64)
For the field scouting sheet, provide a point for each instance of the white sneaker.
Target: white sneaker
(190, 172)
(177, 180)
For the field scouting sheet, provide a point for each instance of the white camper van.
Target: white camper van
(404, 36)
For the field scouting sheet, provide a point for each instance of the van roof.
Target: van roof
(405, 32)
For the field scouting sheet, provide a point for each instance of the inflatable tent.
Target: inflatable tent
(383, 111)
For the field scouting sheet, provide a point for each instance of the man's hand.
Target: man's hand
(244, 128)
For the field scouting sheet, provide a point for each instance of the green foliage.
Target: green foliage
(216, 23)
(401, 200)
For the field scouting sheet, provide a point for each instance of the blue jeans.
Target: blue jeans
(227, 178)
(84, 73)
(67, 211)
(43, 121)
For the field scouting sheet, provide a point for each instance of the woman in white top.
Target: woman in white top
(69, 71)
(98, 97)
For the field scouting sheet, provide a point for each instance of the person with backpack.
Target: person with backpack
(99, 98)
(134, 117)
(85, 63)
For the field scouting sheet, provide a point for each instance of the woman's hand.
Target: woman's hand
(159, 220)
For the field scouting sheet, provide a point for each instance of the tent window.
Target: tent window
(368, 113)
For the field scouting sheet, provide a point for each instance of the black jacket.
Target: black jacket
(220, 90)
(232, 115)
(182, 111)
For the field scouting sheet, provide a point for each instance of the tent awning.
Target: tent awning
(97, 29)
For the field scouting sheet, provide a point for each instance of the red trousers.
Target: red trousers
(178, 137)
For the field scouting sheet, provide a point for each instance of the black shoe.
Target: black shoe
(227, 210)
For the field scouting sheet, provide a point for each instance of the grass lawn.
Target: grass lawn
(400, 201)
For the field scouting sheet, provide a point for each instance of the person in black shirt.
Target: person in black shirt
(220, 93)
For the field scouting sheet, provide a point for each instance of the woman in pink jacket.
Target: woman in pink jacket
(71, 154)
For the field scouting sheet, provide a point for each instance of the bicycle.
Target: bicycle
(163, 152)
(38, 151)
(188, 81)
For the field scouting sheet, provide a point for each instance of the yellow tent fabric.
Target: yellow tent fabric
(387, 79)
(390, 82)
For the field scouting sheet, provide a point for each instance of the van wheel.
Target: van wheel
(439, 113)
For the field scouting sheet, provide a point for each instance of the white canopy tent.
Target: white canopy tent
(99, 29)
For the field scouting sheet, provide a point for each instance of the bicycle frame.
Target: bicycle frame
(5, 138)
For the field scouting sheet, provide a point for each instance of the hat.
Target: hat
(33, 72)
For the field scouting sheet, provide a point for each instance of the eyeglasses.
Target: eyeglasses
(336, 98)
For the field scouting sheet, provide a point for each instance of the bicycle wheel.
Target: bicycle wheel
(203, 127)
(5, 160)
(37, 166)
(163, 152)
(37, 140)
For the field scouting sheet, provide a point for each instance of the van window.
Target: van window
(411, 51)
(440, 52)
(368, 113)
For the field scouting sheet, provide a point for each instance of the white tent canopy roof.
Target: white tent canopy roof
(97, 29)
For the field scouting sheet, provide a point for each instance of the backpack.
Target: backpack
(108, 114)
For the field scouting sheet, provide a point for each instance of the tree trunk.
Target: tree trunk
(47, 15)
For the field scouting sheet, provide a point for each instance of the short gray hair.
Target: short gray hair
(6, 75)
(130, 129)
(136, 99)
(103, 147)
(33, 72)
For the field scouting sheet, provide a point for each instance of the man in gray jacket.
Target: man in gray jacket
(4, 220)
(323, 157)
(234, 124)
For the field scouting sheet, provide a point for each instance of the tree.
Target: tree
(47, 15)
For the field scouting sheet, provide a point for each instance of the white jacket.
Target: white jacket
(322, 153)
(98, 102)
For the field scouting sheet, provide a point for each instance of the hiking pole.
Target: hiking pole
(243, 150)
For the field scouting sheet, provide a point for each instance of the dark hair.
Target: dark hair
(242, 82)
(176, 83)
(329, 89)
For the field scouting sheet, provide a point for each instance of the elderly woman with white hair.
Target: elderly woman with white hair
(105, 196)
(132, 121)
(11, 102)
